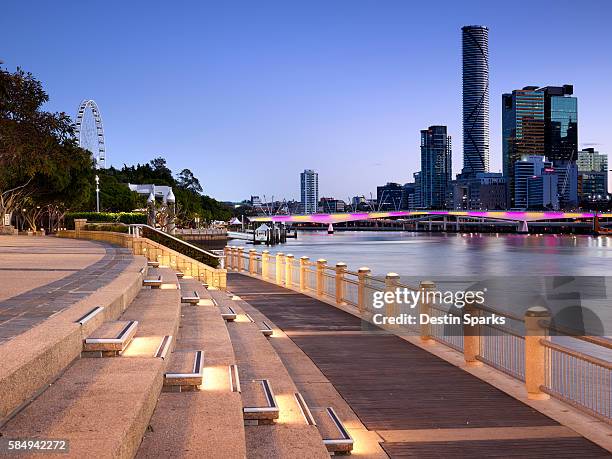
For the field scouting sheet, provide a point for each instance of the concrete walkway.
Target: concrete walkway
(40, 276)
(419, 404)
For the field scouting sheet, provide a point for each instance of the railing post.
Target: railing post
(340, 270)
(240, 263)
(230, 258)
(391, 283)
(424, 308)
(471, 338)
(252, 261)
(321, 264)
(265, 259)
(535, 352)
(362, 274)
(280, 257)
(289, 270)
(303, 273)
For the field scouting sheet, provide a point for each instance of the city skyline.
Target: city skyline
(351, 108)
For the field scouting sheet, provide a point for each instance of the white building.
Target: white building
(309, 191)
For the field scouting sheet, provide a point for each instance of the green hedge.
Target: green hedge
(180, 247)
(106, 217)
(115, 227)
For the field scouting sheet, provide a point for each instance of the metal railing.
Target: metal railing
(177, 244)
(521, 348)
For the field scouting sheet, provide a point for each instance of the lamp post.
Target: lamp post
(97, 194)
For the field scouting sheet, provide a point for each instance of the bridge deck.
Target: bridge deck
(418, 403)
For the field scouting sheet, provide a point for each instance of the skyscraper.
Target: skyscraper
(475, 99)
(561, 139)
(522, 128)
(436, 166)
(309, 191)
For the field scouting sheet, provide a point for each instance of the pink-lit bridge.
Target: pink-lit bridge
(488, 215)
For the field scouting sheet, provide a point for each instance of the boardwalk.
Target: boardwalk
(421, 405)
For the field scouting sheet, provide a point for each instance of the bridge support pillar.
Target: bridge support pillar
(457, 222)
(523, 227)
(471, 338)
(445, 221)
(289, 270)
(252, 261)
(536, 367)
(362, 274)
(425, 308)
(265, 261)
(303, 273)
(280, 258)
(340, 270)
(321, 265)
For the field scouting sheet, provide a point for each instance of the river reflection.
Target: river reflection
(571, 275)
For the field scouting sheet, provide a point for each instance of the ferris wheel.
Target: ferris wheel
(90, 132)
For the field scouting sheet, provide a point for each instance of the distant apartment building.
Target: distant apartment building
(309, 191)
(331, 205)
(255, 201)
(389, 197)
(436, 167)
(592, 175)
(408, 195)
(482, 191)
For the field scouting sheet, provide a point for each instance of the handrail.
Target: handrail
(577, 354)
(199, 249)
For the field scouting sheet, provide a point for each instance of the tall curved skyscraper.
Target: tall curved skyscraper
(475, 99)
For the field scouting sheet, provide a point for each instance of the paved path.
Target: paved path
(40, 276)
(421, 405)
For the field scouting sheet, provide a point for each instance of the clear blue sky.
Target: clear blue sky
(248, 94)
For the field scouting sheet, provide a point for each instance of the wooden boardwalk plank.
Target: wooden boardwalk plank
(393, 385)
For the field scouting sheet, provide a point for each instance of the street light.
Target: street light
(97, 194)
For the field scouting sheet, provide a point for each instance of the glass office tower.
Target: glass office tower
(436, 167)
(475, 99)
(522, 129)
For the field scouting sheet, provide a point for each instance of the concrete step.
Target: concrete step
(34, 359)
(288, 435)
(208, 421)
(259, 403)
(228, 313)
(180, 274)
(264, 327)
(110, 339)
(153, 264)
(152, 282)
(335, 436)
(185, 371)
(103, 406)
(190, 297)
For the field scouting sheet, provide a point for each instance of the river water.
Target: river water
(571, 275)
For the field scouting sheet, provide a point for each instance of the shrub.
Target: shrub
(114, 227)
(106, 217)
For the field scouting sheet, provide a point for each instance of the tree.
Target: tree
(40, 162)
(187, 181)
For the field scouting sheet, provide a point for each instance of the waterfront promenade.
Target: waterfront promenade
(41, 276)
(419, 405)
